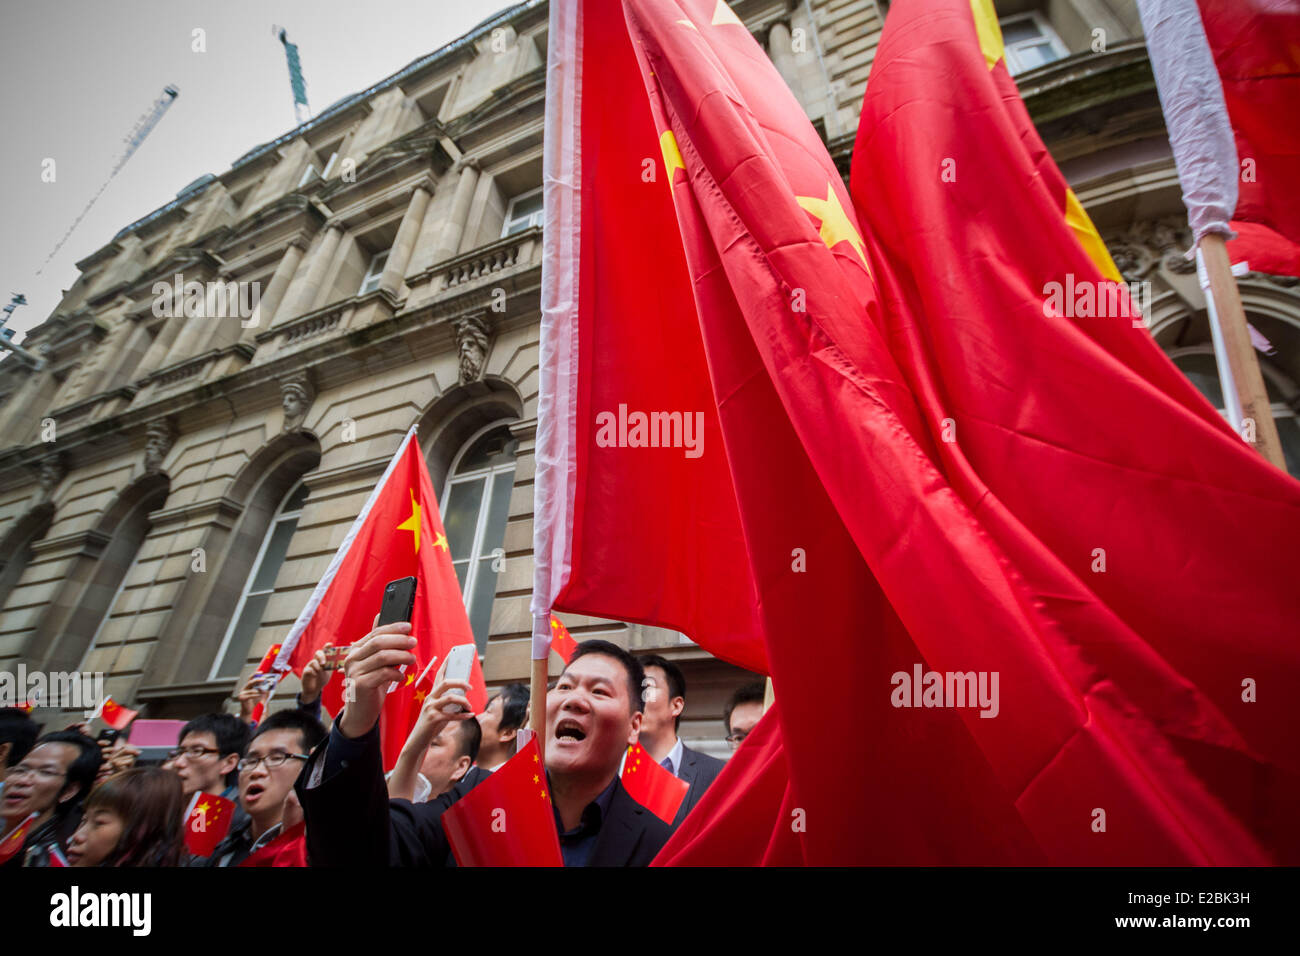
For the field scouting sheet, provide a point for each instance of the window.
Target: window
(524, 212)
(1030, 43)
(259, 587)
(308, 175)
(329, 166)
(1198, 364)
(373, 274)
(474, 510)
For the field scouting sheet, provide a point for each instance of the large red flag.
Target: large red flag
(508, 819)
(1256, 47)
(868, 523)
(398, 534)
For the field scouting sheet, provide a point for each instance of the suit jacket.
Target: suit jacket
(351, 821)
(699, 770)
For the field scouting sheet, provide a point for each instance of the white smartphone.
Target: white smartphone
(460, 663)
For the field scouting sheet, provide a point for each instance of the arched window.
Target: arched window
(475, 506)
(259, 587)
(1199, 365)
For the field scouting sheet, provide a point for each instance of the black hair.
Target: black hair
(82, 770)
(18, 729)
(311, 729)
(635, 675)
(514, 706)
(753, 693)
(230, 733)
(470, 737)
(676, 682)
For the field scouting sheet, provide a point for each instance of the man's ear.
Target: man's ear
(462, 768)
(68, 792)
(676, 706)
(505, 736)
(227, 764)
(634, 728)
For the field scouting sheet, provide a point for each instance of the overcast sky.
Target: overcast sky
(75, 75)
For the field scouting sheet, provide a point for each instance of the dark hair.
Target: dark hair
(676, 682)
(308, 726)
(17, 728)
(753, 693)
(230, 733)
(635, 675)
(514, 706)
(471, 736)
(149, 801)
(82, 770)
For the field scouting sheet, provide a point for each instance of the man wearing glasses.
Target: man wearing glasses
(742, 712)
(267, 772)
(210, 747)
(43, 794)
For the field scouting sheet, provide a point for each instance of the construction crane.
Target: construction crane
(143, 127)
(301, 111)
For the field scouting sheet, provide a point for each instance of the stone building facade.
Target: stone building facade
(173, 485)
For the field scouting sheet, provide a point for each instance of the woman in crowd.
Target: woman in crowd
(133, 818)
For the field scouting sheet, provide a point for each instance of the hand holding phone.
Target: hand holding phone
(460, 662)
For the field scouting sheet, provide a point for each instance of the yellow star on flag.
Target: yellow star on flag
(672, 155)
(419, 695)
(413, 522)
(440, 541)
(836, 225)
(536, 779)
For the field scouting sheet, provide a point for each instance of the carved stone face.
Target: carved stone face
(294, 403)
(157, 442)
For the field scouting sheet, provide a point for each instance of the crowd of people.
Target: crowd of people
(287, 791)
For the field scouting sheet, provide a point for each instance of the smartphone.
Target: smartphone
(265, 682)
(460, 663)
(399, 601)
(109, 735)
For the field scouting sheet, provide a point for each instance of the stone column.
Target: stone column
(399, 256)
(18, 412)
(270, 299)
(449, 241)
(193, 331)
(781, 50)
(304, 291)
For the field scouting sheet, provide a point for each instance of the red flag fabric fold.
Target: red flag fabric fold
(651, 785)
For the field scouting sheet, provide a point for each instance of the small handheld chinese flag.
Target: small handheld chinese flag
(268, 661)
(207, 823)
(651, 785)
(507, 820)
(115, 715)
(562, 641)
(14, 840)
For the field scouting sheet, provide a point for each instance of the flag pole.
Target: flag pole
(537, 702)
(1244, 394)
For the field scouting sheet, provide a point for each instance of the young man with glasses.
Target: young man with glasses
(210, 747)
(43, 794)
(267, 772)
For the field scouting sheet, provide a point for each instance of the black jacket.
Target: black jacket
(699, 770)
(351, 821)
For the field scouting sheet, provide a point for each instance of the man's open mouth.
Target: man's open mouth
(569, 730)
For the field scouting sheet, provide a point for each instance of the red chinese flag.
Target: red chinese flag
(562, 641)
(844, 342)
(1256, 46)
(207, 823)
(15, 838)
(398, 534)
(115, 715)
(508, 819)
(267, 662)
(651, 785)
